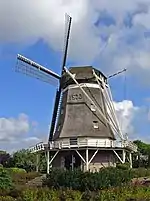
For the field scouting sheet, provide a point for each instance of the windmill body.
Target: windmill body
(79, 123)
(85, 132)
(78, 116)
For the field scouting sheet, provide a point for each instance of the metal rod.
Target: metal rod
(110, 76)
(110, 100)
(37, 66)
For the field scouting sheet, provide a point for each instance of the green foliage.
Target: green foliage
(1, 166)
(5, 179)
(5, 159)
(24, 159)
(140, 172)
(21, 178)
(6, 198)
(78, 180)
(143, 148)
(125, 193)
(143, 155)
(16, 170)
(125, 166)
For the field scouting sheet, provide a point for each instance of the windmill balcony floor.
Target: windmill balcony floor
(84, 143)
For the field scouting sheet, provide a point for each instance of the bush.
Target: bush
(78, 180)
(5, 180)
(141, 172)
(6, 198)
(106, 177)
(125, 166)
(1, 166)
(16, 170)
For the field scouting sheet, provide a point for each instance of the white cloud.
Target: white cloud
(19, 132)
(126, 113)
(134, 120)
(32, 20)
(12, 128)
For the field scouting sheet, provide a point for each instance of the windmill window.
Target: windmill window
(62, 111)
(58, 129)
(73, 141)
(93, 108)
(95, 124)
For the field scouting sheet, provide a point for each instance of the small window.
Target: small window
(58, 129)
(62, 111)
(93, 108)
(95, 124)
(73, 141)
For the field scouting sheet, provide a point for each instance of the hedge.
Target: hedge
(78, 180)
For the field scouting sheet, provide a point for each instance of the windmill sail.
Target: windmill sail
(58, 93)
(31, 68)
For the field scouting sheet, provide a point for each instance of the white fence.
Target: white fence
(82, 143)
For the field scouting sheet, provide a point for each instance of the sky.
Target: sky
(109, 35)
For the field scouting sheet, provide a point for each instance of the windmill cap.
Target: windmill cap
(83, 74)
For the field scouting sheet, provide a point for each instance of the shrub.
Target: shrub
(62, 179)
(5, 180)
(141, 172)
(6, 198)
(124, 166)
(1, 166)
(78, 180)
(16, 170)
(106, 177)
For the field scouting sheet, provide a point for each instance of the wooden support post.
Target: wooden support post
(123, 156)
(37, 162)
(87, 159)
(130, 159)
(48, 162)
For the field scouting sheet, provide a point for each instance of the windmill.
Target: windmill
(84, 131)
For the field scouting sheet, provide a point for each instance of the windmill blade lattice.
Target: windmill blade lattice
(32, 69)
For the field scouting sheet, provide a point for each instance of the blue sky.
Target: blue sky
(37, 33)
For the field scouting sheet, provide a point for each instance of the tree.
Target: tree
(143, 154)
(24, 159)
(143, 148)
(5, 159)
